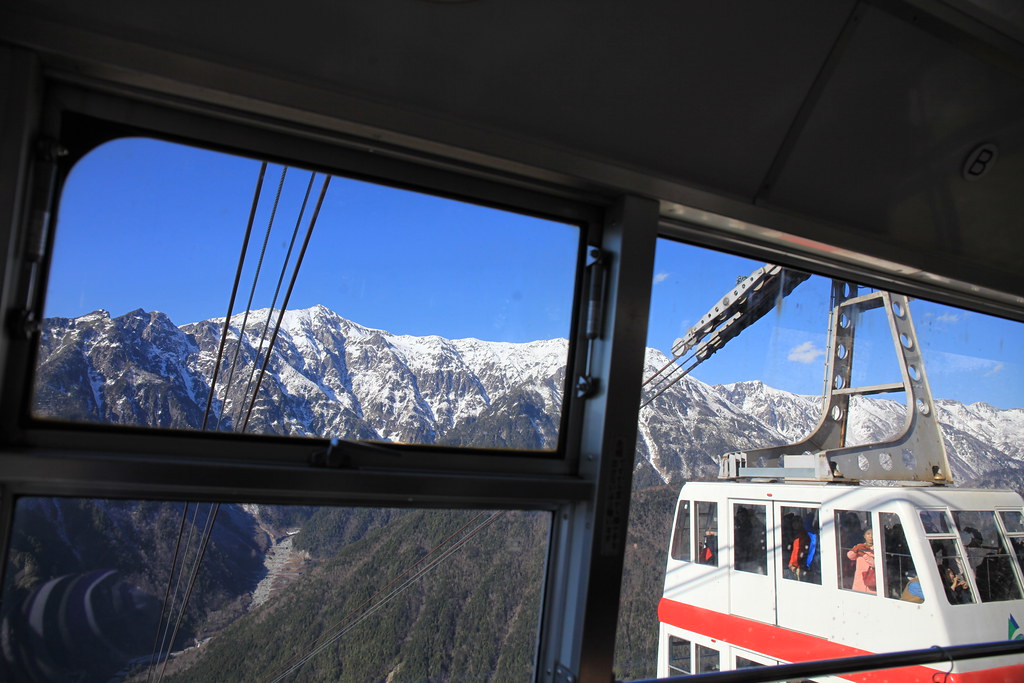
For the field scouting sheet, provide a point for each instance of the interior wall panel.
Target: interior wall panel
(885, 146)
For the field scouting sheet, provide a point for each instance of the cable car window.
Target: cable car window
(901, 578)
(801, 556)
(987, 556)
(1014, 526)
(1013, 521)
(143, 590)
(750, 538)
(357, 310)
(681, 537)
(744, 663)
(1017, 544)
(935, 521)
(951, 571)
(679, 656)
(708, 660)
(756, 371)
(707, 530)
(856, 551)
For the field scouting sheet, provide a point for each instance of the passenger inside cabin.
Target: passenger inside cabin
(799, 548)
(899, 564)
(812, 560)
(709, 548)
(956, 587)
(951, 568)
(912, 592)
(864, 556)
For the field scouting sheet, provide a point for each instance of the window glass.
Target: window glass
(901, 578)
(935, 521)
(801, 556)
(413, 318)
(750, 538)
(708, 660)
(987, 556)
(96, 587)
(951, 571)
(856, 551)
(679, 656)
(1014, 525)
(744, 663)
(763, 387)
(1013, 521)
(681, 537)
(1017, 546)
(707, 528)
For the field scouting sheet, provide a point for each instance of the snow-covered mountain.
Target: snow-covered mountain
(328, 376)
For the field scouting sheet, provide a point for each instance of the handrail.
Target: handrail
(845, 665)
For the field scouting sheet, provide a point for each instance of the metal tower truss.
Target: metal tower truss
(753, 296)
(917, 453)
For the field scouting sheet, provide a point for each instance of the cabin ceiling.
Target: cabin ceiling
(843, 122)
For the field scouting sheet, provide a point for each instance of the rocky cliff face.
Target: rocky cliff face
(328, 376)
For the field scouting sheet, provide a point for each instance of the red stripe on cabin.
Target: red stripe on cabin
(792, 646)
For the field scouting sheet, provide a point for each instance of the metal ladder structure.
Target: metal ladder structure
(916, 454)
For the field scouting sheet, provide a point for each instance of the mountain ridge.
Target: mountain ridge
(329, 376)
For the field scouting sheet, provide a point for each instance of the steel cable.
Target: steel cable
(165, 628)
(287, 298)
(206, 415)
(273, 303)
(452, 535)
(393, 594)
(207, 533)
(252, 294)
(164, 606)
(234, 292)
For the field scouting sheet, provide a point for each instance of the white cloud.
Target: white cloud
(805, 353)
(661, 277)
(946, 362)
(999, 367)
(947, 317)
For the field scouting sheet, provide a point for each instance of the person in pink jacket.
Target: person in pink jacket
(864, 573)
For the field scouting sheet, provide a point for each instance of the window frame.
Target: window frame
(582, 487)
(83, 120)
(842, 558)
(585, 483)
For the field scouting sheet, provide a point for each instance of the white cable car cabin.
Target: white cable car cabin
(946, 568)
(800, 562)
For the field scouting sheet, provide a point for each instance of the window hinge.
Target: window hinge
(597, 269)
(43, 187)
(24, 323)
(44, 182)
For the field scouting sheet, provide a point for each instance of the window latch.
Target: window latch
(338, 453)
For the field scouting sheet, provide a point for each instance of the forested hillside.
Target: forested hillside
(472, 617)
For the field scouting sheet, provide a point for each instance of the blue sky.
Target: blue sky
(158, 226)
(153, 225)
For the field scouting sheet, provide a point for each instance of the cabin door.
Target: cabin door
(752, 566)
(798, 567)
